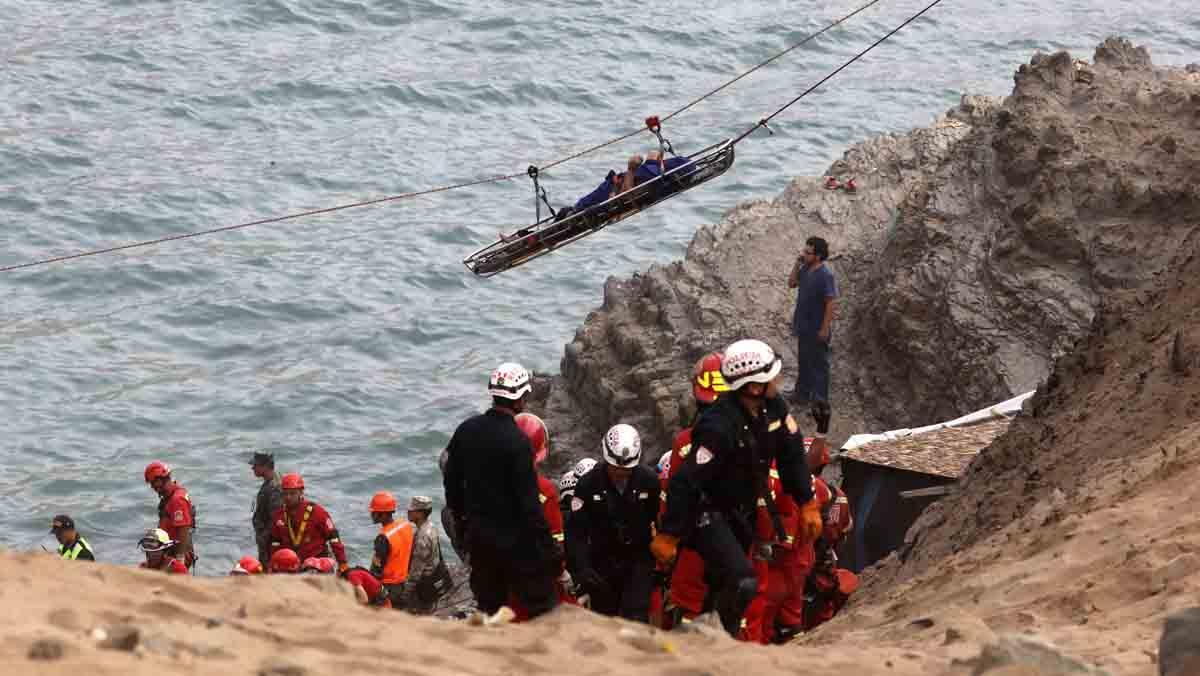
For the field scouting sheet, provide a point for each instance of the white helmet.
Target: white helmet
(567, 484)
(749, 361)
(622, 446)
(583, 467)
(664, 464)
(510, 380)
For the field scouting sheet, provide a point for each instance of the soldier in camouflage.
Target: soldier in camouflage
(268, 501)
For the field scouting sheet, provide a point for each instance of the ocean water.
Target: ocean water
(352, 344)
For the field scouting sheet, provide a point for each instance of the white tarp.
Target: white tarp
(1005, 409)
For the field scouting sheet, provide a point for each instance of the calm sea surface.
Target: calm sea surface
(352, 344)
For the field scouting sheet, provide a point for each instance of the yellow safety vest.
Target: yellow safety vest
(72, 553)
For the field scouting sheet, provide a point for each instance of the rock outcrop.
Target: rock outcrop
(974, 253)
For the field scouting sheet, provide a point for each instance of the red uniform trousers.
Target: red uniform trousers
(688, 588)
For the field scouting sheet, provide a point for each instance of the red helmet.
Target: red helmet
(292, 481)
(383, 502)
(707, 381)
(318, 564)
(285, 561)
(247, 565)
(156, 470)
(539, 437)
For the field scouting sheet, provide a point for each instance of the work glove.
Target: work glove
(664, 548)
(591, 579)
(810, 521)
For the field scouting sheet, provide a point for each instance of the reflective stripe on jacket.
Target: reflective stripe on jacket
(73, 553)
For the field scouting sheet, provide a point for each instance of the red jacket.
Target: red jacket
(835, 514)
(308, 529)
(373, 587)
(548, 496)
(789, 515)
(175, 511)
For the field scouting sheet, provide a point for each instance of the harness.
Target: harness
(297, 536)
(762, 480)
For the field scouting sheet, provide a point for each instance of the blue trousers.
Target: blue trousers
(812, 362)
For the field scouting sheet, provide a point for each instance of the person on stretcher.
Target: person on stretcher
(638, 170)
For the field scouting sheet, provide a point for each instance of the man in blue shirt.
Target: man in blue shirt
(812, 324)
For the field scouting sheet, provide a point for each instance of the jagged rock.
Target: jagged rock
(983, 244)
(1179, 648)
(1120, 53)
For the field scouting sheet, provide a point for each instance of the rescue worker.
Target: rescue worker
(304, 526)
(687, 589)
(492, 489)
(71, 546)
(534, 429)
(566, 491)
(782, 559)
(426, 557)
(367, 588)
(827, 586)
(247, 565)
(612, 523)
(712, 498)
(266, 503)
(393, 547)
(566, 486)
(176, 513)
(160, 552)
(285, 561)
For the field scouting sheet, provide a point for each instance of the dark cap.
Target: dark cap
(267, 459)
(62, 522)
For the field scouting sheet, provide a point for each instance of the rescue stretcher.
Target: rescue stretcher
(550, 233)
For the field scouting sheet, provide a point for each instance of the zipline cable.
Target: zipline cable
(763, 122)
(694, 102)
(502, 177)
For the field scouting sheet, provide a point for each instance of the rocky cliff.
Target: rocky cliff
(974, 253)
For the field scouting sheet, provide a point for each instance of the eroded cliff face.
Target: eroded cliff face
(632, 358)
(975, 252)
(1099, 167)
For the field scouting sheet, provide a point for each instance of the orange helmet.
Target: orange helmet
(539, 437)
(157, 470)
(383, 502)
(292, 481)
(707, 381)
(285, 561)
(247, 565)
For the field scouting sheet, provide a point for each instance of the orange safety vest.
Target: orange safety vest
(399, 536)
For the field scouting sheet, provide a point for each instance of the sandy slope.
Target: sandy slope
(276, 626)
